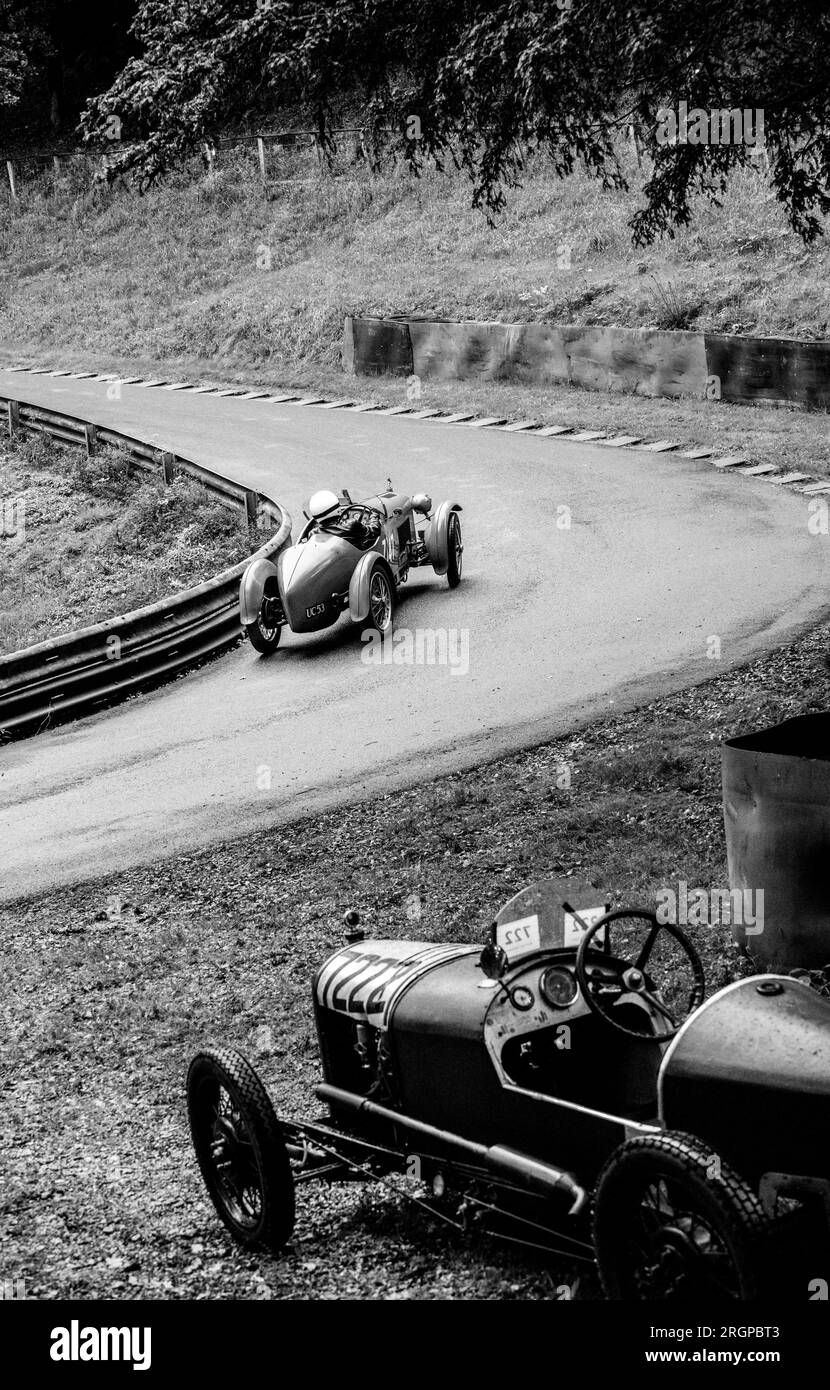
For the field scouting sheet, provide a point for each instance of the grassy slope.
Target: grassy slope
(108, 279)
(99, 540)
(175, 272)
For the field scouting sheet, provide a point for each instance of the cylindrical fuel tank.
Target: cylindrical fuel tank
(776, 807)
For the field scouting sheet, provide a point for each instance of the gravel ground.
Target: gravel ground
(111, 986)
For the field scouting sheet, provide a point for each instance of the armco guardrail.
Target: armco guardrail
(71, 675)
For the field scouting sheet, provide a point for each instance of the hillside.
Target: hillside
(181, 274)
(217, 279)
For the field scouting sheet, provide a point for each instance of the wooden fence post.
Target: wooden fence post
(14, 418)
(12, 186)
(251, 507)
(260, 144)
(366, 155)
(90, 439)
(209, 157)
(168, 467)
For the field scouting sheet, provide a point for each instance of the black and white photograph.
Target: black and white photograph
(414, 676)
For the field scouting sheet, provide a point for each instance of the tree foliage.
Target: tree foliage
(16, 35)
(55, 54)
(480, 84)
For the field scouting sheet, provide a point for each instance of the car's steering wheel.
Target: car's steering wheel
(602, 991)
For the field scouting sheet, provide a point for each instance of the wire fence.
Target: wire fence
(62, 164)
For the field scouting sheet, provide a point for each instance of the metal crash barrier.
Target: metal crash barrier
(72, 675)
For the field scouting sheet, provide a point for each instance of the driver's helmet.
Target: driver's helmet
(323, 504)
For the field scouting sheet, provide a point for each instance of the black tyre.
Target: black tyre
(455, 551)
(240, 1148)
(381, 603)
(671, 1221)
(264, 638)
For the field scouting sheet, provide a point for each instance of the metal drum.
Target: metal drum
(776, 808)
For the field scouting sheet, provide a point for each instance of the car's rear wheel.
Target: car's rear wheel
(671, 1221)
(455, 551)
(240, 1148)
(265, 637)
(381, 603)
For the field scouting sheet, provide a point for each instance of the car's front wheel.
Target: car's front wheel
(240, 1148)
(381, 603)
(671, 1221)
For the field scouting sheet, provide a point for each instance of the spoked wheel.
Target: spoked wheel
(381, 604)
(240, 1148)
(263, 636)
(455, 551)
(672, 1222)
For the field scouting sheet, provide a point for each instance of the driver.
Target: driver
(343, 519)
(325, 508)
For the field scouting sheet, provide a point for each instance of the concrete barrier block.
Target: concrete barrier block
(374, 347)
(645, 361)
(599, 359)
(776, 370)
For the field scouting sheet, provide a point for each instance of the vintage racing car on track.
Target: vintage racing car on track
(350, 555)
(567, 1087)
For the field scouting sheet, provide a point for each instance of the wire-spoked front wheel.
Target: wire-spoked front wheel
(381, 603)
(671, 1221)
(240, 1148)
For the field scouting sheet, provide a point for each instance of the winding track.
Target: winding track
(563, 623)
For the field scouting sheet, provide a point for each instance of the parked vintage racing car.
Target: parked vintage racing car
(566, 1087)
(349, 556)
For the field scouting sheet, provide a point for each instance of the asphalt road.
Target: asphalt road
(559, 622)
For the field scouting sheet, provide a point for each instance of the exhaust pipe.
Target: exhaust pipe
(542, 1179)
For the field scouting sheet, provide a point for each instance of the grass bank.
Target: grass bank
(87, 539)
(221, 268)
(111, 986)
(220, 279)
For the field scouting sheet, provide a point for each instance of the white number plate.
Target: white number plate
(574, 932)
(519, 937)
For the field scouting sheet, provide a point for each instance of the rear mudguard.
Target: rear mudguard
(437, 536)
(252, 589)
(359, 586)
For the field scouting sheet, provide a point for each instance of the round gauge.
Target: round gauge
(559, 987)
(522, 997)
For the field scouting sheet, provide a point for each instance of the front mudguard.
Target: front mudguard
(437, 538)
(252, 589)
(359, 584)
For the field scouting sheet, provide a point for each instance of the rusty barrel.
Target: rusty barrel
(776, 808)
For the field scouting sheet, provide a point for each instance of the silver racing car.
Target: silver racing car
(350, 555)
